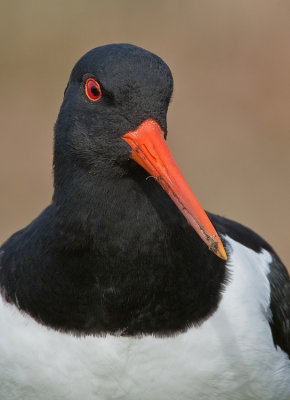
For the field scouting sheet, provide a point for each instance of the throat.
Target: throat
(113, 261)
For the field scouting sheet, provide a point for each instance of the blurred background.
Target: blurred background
(229, 121)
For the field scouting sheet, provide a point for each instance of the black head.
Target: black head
(134, 85)
(114, 110)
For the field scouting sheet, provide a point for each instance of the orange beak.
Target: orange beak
(150, 150)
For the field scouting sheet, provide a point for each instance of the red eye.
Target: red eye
(93, 89)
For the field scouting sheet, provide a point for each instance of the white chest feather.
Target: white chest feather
(229, 357)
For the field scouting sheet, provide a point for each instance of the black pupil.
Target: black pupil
(95, 91)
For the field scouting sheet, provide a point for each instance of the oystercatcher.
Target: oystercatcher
(123, 287)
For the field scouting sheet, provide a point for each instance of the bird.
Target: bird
(124, 287)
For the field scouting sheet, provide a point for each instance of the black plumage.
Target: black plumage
(112, 253)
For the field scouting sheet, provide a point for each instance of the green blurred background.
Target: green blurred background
(229, 121)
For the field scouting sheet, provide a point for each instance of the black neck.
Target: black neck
(107, 258)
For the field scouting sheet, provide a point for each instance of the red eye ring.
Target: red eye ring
(93, 90)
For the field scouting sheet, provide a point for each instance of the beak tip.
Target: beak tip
(221, 253)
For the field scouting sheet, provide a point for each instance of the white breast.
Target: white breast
(230, 357)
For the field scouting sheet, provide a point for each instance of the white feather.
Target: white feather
(231, 356)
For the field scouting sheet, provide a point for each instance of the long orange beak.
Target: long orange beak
(150, 150)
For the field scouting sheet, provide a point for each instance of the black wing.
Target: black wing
(280, 304)
(278, 277)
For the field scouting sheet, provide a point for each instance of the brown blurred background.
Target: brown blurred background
(229, 121)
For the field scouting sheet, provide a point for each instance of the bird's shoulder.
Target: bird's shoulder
(277, 276)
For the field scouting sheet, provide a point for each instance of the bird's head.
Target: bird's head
(111, 91)
(114, 110)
